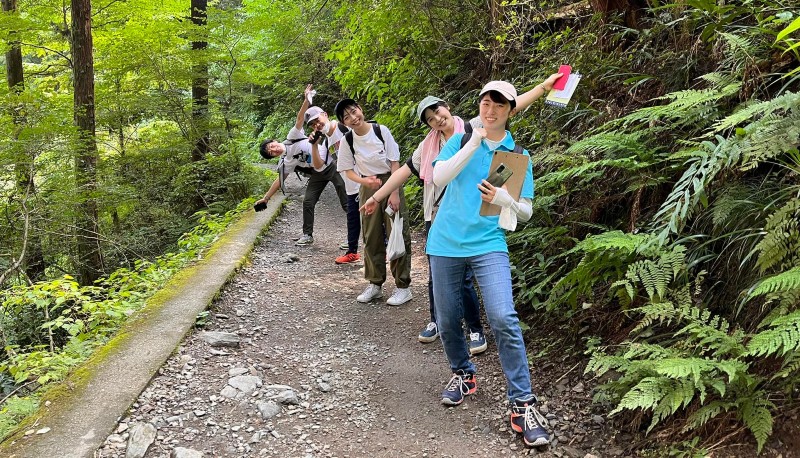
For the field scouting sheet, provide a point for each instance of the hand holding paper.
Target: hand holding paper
(564, 87)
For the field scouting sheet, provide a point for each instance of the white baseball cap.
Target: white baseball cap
(505, 89)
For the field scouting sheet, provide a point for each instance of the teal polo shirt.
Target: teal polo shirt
(458, 229)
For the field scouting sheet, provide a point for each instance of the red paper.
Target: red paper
(561, 83)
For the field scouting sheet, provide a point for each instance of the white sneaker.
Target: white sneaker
(370, 292)
(400, 296)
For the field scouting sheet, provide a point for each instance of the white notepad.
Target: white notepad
(561, 98)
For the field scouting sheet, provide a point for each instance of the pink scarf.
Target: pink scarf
(431, 148)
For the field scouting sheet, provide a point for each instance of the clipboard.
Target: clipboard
(518, 163)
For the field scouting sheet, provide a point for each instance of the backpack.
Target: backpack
(307, 171)
(464, 140)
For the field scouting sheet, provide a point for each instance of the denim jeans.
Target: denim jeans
(493, 273)
(353, 223)
(472, 311)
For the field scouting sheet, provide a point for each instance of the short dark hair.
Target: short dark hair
(500, 98)
(263, 150)
(343, 105)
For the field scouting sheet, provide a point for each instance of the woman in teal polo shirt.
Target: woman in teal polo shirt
(460, 238)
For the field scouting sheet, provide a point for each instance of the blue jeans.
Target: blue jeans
(493, 273)
(472, 311)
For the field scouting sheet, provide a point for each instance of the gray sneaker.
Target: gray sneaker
(304, 240)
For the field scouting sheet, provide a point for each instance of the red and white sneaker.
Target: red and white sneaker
(348, 258)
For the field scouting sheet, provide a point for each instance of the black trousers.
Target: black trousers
(316, 184)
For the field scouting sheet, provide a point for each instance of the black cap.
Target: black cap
(344, 103)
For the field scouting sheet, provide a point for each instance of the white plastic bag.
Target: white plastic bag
(397, 246)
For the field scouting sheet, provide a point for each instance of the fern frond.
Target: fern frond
(783, 282)
(767, 138)
(755, 414)
(789, 368)
(781, 243)
(645, 395)
(658, 312)
(686, 108)
(755, 110)
(678, 394)
(679, 368)
(782, 338)
(701, 416)
(606, 143)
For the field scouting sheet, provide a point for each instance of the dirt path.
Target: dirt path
(364, 386)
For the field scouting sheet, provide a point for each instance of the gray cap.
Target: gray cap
(313, 113)
(427, 102)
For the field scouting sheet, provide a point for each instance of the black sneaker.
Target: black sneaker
(460, 385)
(527, 420)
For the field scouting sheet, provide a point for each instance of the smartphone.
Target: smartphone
(500, 175)
(561, 83)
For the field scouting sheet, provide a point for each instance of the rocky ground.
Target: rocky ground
(303, 370)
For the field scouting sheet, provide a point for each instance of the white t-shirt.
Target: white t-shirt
(372, 155)
(350, 186)
(302, 150)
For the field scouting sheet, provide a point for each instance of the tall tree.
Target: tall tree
(90, 258)
(31, 256)
(200, 80)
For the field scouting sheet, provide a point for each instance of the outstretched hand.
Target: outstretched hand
(307, 93)
(369, 206)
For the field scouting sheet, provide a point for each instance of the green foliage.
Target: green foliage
(780, 247)
(50, 327)
(13, 411)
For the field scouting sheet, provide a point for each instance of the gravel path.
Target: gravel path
(316, 374)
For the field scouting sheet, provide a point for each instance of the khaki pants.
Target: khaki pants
(375, 228)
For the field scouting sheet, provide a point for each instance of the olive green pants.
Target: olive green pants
(375, 229)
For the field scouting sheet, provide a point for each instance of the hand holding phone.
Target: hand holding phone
(500, 175)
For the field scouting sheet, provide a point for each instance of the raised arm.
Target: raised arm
(525, 100)
(446, 170)
(302, 113)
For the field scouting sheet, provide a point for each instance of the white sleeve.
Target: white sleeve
(511, 210)
(295, 133)
(392, 149)
(446, 170)
(345, 160)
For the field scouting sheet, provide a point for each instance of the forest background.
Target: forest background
(665, 242)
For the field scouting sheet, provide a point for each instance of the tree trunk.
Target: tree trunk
(200, 82)
(33, 261)
(90, 260)
(631, 9)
